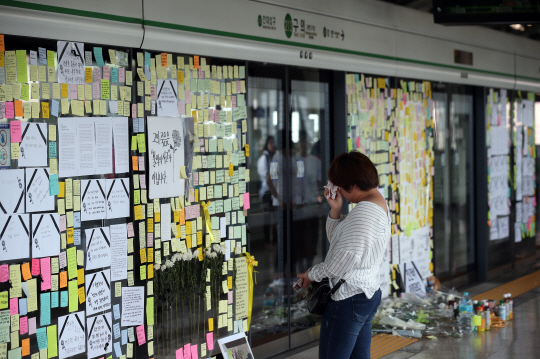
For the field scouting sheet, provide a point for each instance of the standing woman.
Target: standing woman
(358, 242)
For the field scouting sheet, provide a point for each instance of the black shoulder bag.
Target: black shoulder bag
(318, 295)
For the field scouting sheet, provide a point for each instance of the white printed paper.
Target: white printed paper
(68, 148)
(86, 147)
(99, 335)
(12, 191)
(38, 198)
(166, 156)
(71, 62)
(118, 234)
(165, 222)
(167, 98)
(98, 292)
(93, 204)
(121, 144)
(45, 235)
(104, 162)
(71, 335)
(33, 147)
(98, 250)
(117, 197)
(132, 306)
(14, 237)
(413, 281)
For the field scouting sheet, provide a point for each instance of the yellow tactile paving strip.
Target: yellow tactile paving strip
(516, 287)
(384, 344)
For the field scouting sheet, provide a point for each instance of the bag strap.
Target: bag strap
(336, 287)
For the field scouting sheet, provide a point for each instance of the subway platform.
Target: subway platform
(519, 339)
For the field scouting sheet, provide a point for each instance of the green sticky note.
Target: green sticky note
(73, 296)
(22, 69)
(52, 347)
(4, 300)
(105, 90)
(133, 143)
(25, 92)
(141, 142)
(72, 264)
(50, 58)
(137, 197)
(149, 310)
(349, 144)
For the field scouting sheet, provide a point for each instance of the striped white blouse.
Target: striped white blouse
(358, 242)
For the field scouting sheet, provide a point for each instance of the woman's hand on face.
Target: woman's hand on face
(306, 279)
(335, 203)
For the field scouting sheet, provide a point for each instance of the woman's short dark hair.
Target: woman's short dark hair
(353, 168)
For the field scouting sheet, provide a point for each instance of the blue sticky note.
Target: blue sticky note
(117, 349)
(22, 306)
(98, 54)
(45, 309)
(114, 74)
(135, 124)
(77, 235)
(141, 125)
(124, 337)
(77, 220)
(147, 59)
(116, 310)
(147, 72)
(54, 299)
(54, 187)
(41, 334)
(52, 149)
(64, 298)
(42, 55)
(55, 107)
(116, 330)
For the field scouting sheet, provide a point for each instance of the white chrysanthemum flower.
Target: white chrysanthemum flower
(163, 267)
(216, 247)
(168, 264)
(156, 266)
(213, 255)
(196, 253)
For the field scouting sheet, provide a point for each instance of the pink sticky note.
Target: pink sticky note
(201, 73)
(106, 72)
(142, 181)
(141, 163)
(32, 326)
(96, 91)
(247, 205)
(134, 110)
(194, 352)
(73, 91)
(23, 325)
(210, 341)
(179, 353)
(4, 273)
(14, 306)
(62, 223)
(121, 74)
(15, 127)
(140, 335)
(153, 92)
(238, 86)
(187, 351)
(10, 110)
(97, 74)
(193, 211)
(181, 107)
(196, 178)
(187, 96)
(130, 231)
(230, 297)
(46, 273)
(35, 266)
(233, 99)
(150, 239)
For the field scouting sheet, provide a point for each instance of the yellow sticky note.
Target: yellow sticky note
(211, 324)
(73, 296)
(80, 276)
(15, 150)
(143, 272)
(82, 297)
(52, 345)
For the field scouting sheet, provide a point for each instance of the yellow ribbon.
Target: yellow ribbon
(207, 220)
(251, 262)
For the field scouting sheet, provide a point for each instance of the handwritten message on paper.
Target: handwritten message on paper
(241, 288)
(93, 204)
(99, 335)
(71, 62)
(98, 251)
(71, 337)
(117, 197)
(118, 252)
(45, 235)
(413, 281)
(166, 147)
(37, 187)
(132, 306)
(33, 146)
(167, 98)
(15, 236)
(12, 193)
(98, 292)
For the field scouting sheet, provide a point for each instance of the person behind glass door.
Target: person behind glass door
(263, 168)
(358, 242)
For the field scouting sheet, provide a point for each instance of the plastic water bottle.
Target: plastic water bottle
(502, 311)
(466, 313)
(268, 300)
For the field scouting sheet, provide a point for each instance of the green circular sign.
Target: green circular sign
(288, 26)
(260, 20)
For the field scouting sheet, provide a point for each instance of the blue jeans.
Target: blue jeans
(346, 327)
